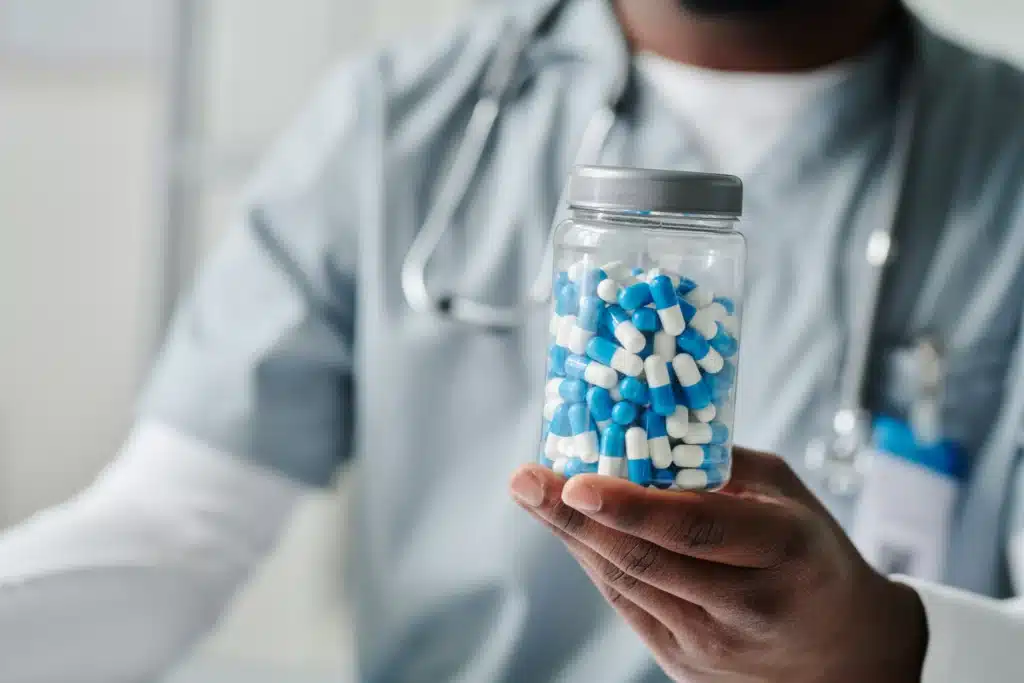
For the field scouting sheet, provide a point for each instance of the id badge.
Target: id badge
(907, 503)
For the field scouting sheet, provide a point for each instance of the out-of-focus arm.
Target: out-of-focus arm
(971, 638)
(115, 585)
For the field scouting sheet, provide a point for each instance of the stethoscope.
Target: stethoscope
(839, 458)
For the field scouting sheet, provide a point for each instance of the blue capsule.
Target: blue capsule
(624, 413)
(567, 299)
(696, 396)
(692, 343)
(723, 342)
(635, 296)
(662, 293)
(557, 355)
(613, 442)
(575, 466)
(589, 313)
(685, 286)
(654, 425)
(573, 391)
(646, 320)
(634, 391)
(727, 304)
(600, 402)
(579, 419)
(640, 471)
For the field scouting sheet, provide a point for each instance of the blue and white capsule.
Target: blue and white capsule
(705, 322)
(635, 391)
(586, 324)
(700, 297)
(636, 295)
(605, 351)
(584, 433)
(661, 272)
(700, 480)
(600, 402)
(657, 440)
(704, 457)
(678, 423)
(612, 460)
(723, 342)
(638, 459)
(699, 433)
(621, 324)
(689, 377)
(591, 372)
(663, 401)
(646, 319)
(667, 304)
(558, 431)
(692, 343)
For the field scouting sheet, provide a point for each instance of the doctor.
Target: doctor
(298, 351)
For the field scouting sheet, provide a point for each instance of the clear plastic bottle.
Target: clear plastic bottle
(644, 339)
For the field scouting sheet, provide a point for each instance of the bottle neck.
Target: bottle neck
(652, 219)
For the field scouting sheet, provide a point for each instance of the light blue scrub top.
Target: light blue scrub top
(297, 348)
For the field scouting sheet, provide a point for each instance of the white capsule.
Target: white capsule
(690, 480)
(611, 467)
(578, 338)
(664, 344)
(678, 424)
(600, 375)
(657, 371)
(559, 465)
(565, 327)
(584, 446)
(704, 321)
(608, 291)
(686, 369)
(712, 362)
(700, 297)
(616, 270)
(577, 270)
(672, 320)
(632, 339)
(706, 414)
(688, 456)
(698, 433)
(636, 444)
(661, 452)
(550, 406)
(553, 446)
(551, 388)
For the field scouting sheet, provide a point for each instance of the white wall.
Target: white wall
(80, 211)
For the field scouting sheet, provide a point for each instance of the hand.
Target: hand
(756, 583)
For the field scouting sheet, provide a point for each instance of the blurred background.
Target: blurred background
(127, 128)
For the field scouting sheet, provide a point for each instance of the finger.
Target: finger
(729, 530)
(617, 586)
(628, 559)
(763, 474)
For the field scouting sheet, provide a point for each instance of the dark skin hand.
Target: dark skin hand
(754, 583)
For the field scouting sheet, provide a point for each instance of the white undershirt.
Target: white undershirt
(735, 118)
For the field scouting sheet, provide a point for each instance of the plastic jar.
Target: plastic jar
(644, 337)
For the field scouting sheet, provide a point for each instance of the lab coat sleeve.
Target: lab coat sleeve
(116, 585)
(971, 638)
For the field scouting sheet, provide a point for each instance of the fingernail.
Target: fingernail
(582, 497)
(527, 489)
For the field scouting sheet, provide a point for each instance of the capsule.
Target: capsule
(636, 295)
(559, 431)
(621, 324)
(633, 390)
(586, 324)
(657, 439)
(664, 479)
(705, 414)
(665, 344)
(646, 319)
(665, 300)
(607, 353)
(700, 433)
(705, 322)
(723, 342)
(567, 299)
(612, 460)
(699, 480)
(694, 390)
(705, 456)
(599, 400)
(661, 272)
(692, 343)
(678, 423)
(591, 372)
(584, 433)
(576, 466)
(663, 400)
(550, 406)
(591, 281)
(624, 413)
(638, 458)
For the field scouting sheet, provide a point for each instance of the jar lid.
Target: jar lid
(613, 188)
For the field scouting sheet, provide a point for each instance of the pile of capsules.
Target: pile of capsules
(638, 371)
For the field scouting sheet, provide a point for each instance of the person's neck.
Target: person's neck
(796, 41)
